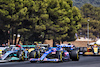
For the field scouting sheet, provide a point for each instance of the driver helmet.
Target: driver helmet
(69, 43)
(17, 45)
(35, 43)
(95, 44)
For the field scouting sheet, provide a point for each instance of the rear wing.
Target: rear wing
(65, 45)
(43, 45)
(33, 46)
(93, 45)
(28, 46)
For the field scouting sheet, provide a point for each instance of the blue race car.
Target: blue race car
(14, 53)
(54, 54)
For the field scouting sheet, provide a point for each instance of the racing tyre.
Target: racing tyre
(59, 55)
(38, 54)
(81, 49)
(74, 55)
(21, 55)
(32, 54)
(84, 50)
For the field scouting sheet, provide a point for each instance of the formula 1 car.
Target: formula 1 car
(14, 53)
(54, 54)
(92, 50)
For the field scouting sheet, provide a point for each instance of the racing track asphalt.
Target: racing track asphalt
(85, 61)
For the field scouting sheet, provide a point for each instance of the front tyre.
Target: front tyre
(60, 54)
(74, 55)
(84, 50)
(21, 55)
(32, 54)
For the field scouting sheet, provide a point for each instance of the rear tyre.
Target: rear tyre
(81, 49)
(74, 55)
(84, 50)
(32, 54)
(21, 55)
(38, 54)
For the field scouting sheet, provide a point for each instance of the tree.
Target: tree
(41, 19)
(80, 3)
(89, 11)
(12, 13)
